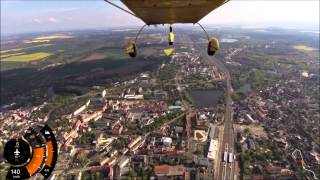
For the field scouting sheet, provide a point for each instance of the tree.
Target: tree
(246, 130)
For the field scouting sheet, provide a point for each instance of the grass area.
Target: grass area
(255, 130)
(116, 53)
(199, 136)
(7, 65)
(257, 78)
(200, 150)
(40, 45)
(303, 48)
(158, 122)
(167, 72)
(27, 57)
(120, 143)
(264, 152)
(179, 122)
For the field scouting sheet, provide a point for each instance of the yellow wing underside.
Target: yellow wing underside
(172, 11)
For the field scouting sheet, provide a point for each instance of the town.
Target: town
(191, 117)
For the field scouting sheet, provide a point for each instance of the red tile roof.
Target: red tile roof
(161, 169)
(258, 177)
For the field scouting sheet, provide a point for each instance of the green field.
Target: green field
(11, 50)
(7, 65)
(27, 57)
(4, 52)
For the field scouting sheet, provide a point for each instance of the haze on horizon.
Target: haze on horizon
(21, 16)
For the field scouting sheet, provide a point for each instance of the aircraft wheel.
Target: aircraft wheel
(210, 51)
(131, 49)
(134, 53)
(213, 46)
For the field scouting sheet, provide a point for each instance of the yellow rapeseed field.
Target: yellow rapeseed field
(58, 36)
(304, 48)
(36, 41)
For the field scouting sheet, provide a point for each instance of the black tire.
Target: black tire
(210, 53)
(134, 53)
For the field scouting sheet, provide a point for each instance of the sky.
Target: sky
(20, 16)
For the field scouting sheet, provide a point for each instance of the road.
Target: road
(225, 170)
(189, 113)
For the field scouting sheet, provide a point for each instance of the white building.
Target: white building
(212, 149)
(167, 141)
(88, 102)
(78, 111)
(123, 162)
(134, 97)
(134, 142)
(103, 93)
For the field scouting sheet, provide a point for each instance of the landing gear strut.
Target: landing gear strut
(213, 43)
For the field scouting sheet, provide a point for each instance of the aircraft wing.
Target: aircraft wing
(172, 11)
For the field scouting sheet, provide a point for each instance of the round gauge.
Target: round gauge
(35, 152)
(52, 151)
(17, 152)
(38, 144)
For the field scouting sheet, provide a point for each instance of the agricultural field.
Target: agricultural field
(46, 39)
(24, 48)
(94, 56)
(68, 65)
(26, 57)
(35, 48)
(8, 55)
(10, 50)
(57, 36)
(36, 41)
(304, 48)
